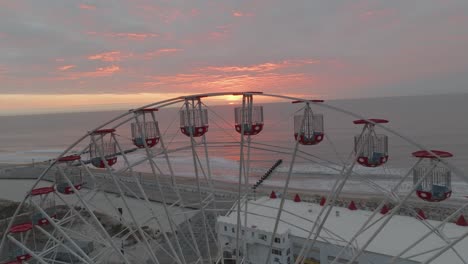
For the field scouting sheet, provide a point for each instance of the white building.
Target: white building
(297, 221)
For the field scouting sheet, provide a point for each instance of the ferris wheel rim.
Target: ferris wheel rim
(179, 99)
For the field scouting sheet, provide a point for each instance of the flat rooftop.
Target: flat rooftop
(399, 233)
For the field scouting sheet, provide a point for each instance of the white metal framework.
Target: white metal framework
(156, 196)
(146, 130)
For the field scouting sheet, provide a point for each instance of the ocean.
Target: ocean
(436, 121)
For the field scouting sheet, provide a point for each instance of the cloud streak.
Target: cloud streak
(335, 49)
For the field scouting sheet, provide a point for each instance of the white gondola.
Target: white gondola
(145, 130)
(437, 183)
(44, 198)
(371, 148)
(249, 119)
(193, 118)
(103, 149)
(308, 126)
(72, 172)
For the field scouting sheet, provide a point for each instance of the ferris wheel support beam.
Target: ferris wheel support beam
(438, 227)
(19, 244)
(180, 258)
(175, 186)
(122, 195)
(283, 197)
(194, 154)
(239, 190)
(447, 247)
(366, 225)
(389, 217)
(61, 244)
(332, 196)
(63, 233)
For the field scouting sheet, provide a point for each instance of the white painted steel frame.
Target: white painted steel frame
(243, 172)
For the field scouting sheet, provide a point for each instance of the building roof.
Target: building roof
(399, 233)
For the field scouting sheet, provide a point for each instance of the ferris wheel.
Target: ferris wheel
(145, 189)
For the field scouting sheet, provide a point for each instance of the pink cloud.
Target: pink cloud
(99, 72)
(386, 13)
(241, 14)
(222, 32)
(262, 76)
(217, 82)
(87, 7)
(161, 52)
(263, 67)
(66, 67)
(165, 14)
(130, 36)
(111, 56)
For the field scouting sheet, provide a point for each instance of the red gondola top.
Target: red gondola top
(103, 131)
(43, 190)
(366, 121)
(428, 155)
(69, 158)
(21, 228)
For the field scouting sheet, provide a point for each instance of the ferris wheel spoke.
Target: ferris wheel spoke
(449, 246)
(140, 187)
(62, 232)
(436, 229)
(98, 223)
(29, 251)
(194, 123)
(285, 190)
(367, 224)
(388, 218)
(345, 172)
(70, 251)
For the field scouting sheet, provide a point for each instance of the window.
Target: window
(277, 240)
(262, 237)
(288, 251)
(276, 251)
(233, 230)
(225, 228)
(253, 234)
(243, 231)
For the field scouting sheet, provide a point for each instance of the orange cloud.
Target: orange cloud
(264, 67)
(103, 71)
(221, 82)
(111, 56)
(87, 7)
(240, 14)
(130, 36)
(66, 67)
(99, 72)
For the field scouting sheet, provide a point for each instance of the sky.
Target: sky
(58, 55)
